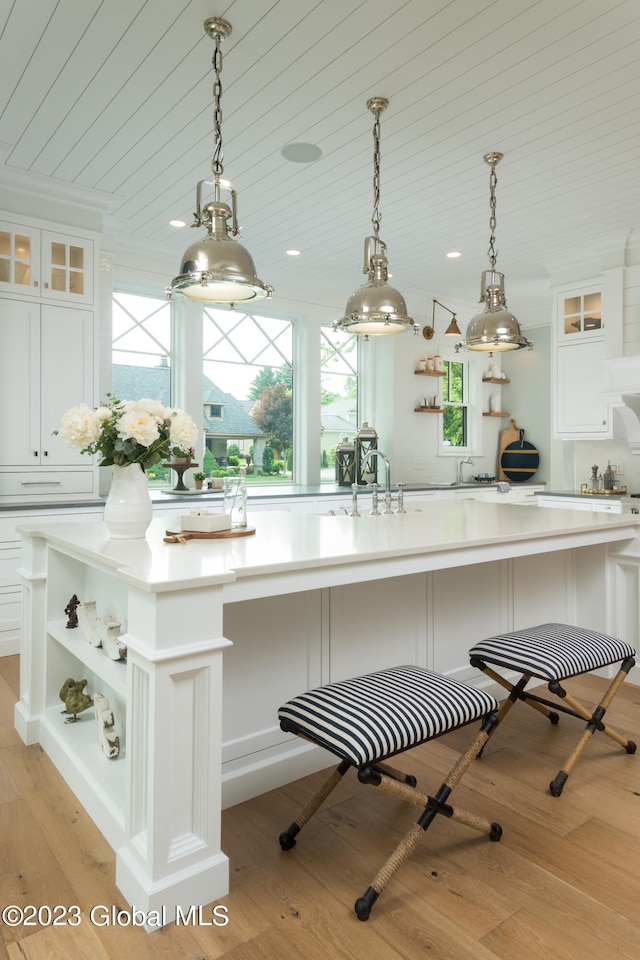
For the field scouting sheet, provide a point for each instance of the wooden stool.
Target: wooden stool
(555, 652)
(368, 719)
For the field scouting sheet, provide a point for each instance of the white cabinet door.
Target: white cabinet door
(67, 268)
(581, 408)
(38, 263)
(46, 367)
(66, 376)
(19, 383)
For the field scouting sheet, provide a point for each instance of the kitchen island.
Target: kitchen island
(307, 599)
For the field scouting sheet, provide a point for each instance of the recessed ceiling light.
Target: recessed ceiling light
(301, 152)
(293, 253)
(453, 254)
(177, 223)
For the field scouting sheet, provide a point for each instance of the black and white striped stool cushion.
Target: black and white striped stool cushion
(374, 716)
(552, 651)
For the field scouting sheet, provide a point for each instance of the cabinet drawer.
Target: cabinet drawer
(45, 484)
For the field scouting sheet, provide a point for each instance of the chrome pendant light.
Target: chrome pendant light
(376, 308)
(494, 329)
(218, 269)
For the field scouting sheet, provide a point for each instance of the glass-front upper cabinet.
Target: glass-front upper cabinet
(580, 315)
(19, 259)
(43, 264)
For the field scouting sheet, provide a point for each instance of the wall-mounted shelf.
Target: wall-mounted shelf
(496, 414)
(495, 380)
(427, 410)
(429, 373)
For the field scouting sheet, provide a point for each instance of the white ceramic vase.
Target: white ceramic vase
(128, 509)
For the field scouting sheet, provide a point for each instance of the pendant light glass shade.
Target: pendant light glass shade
(217, 268)
(376, 308)
(494, 329)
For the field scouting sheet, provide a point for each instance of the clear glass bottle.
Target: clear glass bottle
(235, 501)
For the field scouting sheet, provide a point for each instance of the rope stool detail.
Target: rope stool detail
(554, 652)
(368, 719)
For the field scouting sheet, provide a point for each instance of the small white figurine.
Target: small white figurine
(109, 739)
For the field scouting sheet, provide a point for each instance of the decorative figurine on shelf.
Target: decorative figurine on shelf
(102, 632)
(108, 738)
(70, 611)
(75, 701)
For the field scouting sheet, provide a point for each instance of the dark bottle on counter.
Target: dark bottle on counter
(609, 477)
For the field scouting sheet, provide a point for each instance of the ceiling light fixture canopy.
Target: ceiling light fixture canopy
(494, 329)
(218, 269)
(453, 330)
(376, 308)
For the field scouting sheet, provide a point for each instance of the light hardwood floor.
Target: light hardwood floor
(564, 882)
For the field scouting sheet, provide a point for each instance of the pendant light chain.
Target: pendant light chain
(216, 159)
(492, 252)
(375, 219)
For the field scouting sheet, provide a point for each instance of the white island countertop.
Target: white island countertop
(306, 550)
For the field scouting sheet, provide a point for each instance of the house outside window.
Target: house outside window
(248, 368)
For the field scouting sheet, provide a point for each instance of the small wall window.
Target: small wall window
(214, 410)
(455, 401)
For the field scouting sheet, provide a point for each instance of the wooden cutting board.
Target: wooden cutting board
(181, 536)
(507, 436)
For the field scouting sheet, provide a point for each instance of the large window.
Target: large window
(248, 394)
(455, 401)
(339, 394)
(141, 356)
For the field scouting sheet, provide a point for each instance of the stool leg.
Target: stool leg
(287, 838)
(594, 723)
(433, 806)
(516, 692)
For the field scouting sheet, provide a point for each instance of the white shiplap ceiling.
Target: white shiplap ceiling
(116, 96)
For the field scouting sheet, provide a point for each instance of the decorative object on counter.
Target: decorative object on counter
(484, 478)
(519, 460)
(130, 436)
(218, 269)
(128, 509)
(180, 468)
(107, 737)
(595, 483)
(376, 308)
(509, 435)
(204, 521)
(599, 485)
(181, 536)
(75, 701)
(103, 631)
(346, 466)
(198, 479)
(453, 330)
(609, 477)
(235, 501)
(495, 328)
(366, 439)
(71, 611)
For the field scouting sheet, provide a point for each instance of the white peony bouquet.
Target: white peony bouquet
(129, 431)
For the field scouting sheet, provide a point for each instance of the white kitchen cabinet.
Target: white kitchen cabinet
(44, 264)
(588, 329)
(46, 368)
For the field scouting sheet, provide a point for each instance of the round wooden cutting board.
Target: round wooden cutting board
(519, 460)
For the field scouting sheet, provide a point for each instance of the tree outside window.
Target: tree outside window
(454, 402)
